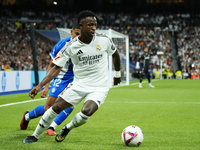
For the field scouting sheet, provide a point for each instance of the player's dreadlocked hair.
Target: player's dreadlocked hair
(75, 25)
(84, 14)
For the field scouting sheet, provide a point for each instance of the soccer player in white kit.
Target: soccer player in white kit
(89, 54)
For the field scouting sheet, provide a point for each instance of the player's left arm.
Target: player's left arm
(117, 64)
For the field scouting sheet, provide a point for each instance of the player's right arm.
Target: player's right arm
(53, 72)
(141, 59)
(46, 88)
(53, 54)
(59, 61)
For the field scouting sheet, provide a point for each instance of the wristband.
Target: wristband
(117, 74)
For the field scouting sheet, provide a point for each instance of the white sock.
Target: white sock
(45, 121)
(27, 117)
(78, 120)
(54, 125)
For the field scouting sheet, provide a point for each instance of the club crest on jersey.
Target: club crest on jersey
(98, 48)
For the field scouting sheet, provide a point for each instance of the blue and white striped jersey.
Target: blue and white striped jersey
(67, 70)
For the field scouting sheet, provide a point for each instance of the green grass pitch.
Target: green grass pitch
(169, 116)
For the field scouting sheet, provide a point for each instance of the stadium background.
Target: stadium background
(167, 114)
(130, 17)
(169, 26)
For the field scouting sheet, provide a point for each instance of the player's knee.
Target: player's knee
(46, 107)
(57, 108)
(60, 105)
(89, 108)
(87, 111)
(50, 101)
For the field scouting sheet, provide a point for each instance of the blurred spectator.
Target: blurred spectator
(144, 29)
(15, 48)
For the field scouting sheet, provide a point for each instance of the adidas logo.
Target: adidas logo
(79, 52)
(41, 125)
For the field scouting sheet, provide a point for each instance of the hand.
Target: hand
(137, 66)
(34, 92)
(117, 81)
(44, 92)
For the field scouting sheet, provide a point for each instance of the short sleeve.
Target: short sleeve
(58, 47)
(62, 57)
(111, 46)
(53, 53)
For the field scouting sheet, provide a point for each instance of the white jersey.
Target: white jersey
(90, 61)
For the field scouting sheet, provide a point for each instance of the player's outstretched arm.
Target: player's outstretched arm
(53, 72)
(117, 64)
(46, 88)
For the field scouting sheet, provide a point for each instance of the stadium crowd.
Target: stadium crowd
(15, 48)
(151, 30)
(188, 44)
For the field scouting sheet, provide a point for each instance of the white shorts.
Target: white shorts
(74, 93)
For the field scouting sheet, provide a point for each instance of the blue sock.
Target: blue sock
(63, 115)
(38, 111)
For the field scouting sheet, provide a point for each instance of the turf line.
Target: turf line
(120, 85)
(129, 102)
(10, 104)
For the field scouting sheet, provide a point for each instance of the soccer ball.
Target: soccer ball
(132, 136)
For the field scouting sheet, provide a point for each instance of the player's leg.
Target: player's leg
(39, 111)
(79, 119)
(92, 102)
(36, 112)
(55, 90)
(58, 87)
(58, 120)
(141, 75)
(53, 112)
(89, 108)
(47, 119)
(149, 79)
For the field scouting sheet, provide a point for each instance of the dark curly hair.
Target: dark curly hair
(75, 25)
(84, 14)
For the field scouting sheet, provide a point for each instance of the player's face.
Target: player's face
(75, 32)
(146, 50)
(88, 27)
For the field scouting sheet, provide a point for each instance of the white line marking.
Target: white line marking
(134, 102)
(9, 104)
(144, 82)
(120, 85)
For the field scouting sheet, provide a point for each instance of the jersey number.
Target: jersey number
(57, 82)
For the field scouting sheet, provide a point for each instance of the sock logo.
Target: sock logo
(41, 125)
(44, 120)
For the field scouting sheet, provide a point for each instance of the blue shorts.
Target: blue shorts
(58, 86)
